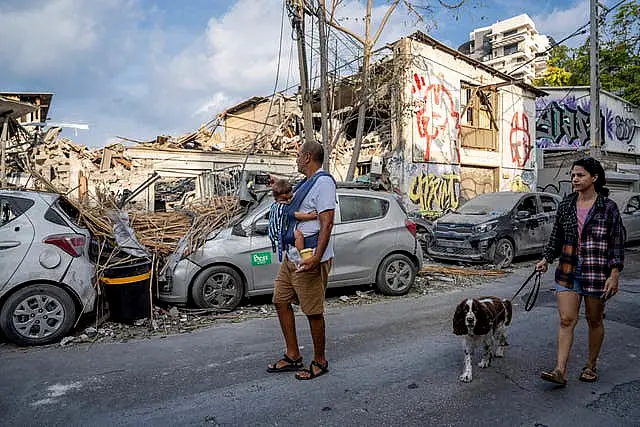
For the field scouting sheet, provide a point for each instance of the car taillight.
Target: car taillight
(411, 226)
(73, 244)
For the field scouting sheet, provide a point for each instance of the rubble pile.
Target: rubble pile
(284, 139)
(160, 232)
(59, 159)
(201, 139)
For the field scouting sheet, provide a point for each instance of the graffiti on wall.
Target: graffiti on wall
(562, 188)
(625, 130)
(564, 125)
(437, 121)
(433, 190)
(518, 184)
(520, 139)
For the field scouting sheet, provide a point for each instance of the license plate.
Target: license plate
(454, 243)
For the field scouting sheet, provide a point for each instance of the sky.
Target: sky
(141, 68)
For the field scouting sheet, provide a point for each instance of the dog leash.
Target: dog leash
(533, 296)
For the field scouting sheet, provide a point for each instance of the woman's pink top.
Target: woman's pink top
(582, 216)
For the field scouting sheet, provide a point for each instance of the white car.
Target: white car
(47, 278)
(374, 242)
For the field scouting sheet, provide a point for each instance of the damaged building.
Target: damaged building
(440, 127)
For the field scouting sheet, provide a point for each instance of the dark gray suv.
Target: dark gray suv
(495, 228)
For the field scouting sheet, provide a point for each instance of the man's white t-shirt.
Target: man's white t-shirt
(321, 197)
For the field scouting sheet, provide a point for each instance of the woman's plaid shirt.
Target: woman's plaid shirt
(601, 245)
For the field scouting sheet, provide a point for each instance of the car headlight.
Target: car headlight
(483, 228)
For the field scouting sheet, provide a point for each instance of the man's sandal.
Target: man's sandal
(554, 376)
(309, 374)
(291, 366)
(588, 375)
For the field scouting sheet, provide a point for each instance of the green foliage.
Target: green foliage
(619, 57)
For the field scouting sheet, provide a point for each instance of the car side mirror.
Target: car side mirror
(261, 227)
(523, 215)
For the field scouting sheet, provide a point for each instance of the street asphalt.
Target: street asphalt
(393, 363)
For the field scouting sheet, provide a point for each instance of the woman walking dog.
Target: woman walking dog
(587, 238)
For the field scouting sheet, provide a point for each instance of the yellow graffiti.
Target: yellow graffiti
(517, 184)
(435, 194)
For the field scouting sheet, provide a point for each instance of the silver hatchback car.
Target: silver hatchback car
(374, 242)
(47, 276)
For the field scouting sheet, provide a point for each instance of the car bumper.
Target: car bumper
(175, 289)
(455, 250)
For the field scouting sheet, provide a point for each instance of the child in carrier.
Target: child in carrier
(279, 220)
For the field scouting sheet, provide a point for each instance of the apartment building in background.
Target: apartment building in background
(512, 46)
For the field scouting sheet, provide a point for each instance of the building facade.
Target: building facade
(512, 46)
(563, 134)
(461, 128)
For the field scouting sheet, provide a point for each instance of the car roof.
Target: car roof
(363, 192)
(31, 194)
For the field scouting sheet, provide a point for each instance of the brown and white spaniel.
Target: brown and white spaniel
(483, 320)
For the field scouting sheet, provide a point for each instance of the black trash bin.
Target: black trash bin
(126, 287)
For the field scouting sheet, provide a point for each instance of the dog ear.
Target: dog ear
(459, 325)
(483, 320)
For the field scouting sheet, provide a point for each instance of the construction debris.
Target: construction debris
(459, 271)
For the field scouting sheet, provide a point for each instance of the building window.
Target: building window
(510, 49)
(477, 107)
(510, 32)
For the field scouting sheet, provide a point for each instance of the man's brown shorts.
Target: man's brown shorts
(306, 288)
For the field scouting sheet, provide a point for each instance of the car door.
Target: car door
(360, 237)
(631, 216)
(264, 262)
(528, 232)
(16, 235)
(549, 206)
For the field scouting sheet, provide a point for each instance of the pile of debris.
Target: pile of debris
(205, 139)
(60, 160)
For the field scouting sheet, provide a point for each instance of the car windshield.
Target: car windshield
(490, 203)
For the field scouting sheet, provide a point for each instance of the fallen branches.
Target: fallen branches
(459, 271)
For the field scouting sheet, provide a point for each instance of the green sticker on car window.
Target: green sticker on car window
(261, 258)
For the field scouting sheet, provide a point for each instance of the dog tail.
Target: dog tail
(508, 311)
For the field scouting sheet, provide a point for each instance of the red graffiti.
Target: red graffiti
(436, 108)
(520, 139)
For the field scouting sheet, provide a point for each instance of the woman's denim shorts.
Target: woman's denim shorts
(577, 286)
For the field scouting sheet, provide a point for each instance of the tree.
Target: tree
(619, 57)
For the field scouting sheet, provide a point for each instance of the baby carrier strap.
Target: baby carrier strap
(300, 191)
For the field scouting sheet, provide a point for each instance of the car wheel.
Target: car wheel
(218, 287)
(504, 253)
(396, 275)
(37, 315)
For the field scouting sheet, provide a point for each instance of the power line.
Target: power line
(275, 88)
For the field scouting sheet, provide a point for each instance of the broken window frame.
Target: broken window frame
(482, 101)
(478, 112)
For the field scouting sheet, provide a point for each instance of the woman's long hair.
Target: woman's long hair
(594, 168)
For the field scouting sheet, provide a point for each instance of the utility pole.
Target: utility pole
(594, 80)
(324, 59)
(297, 14)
